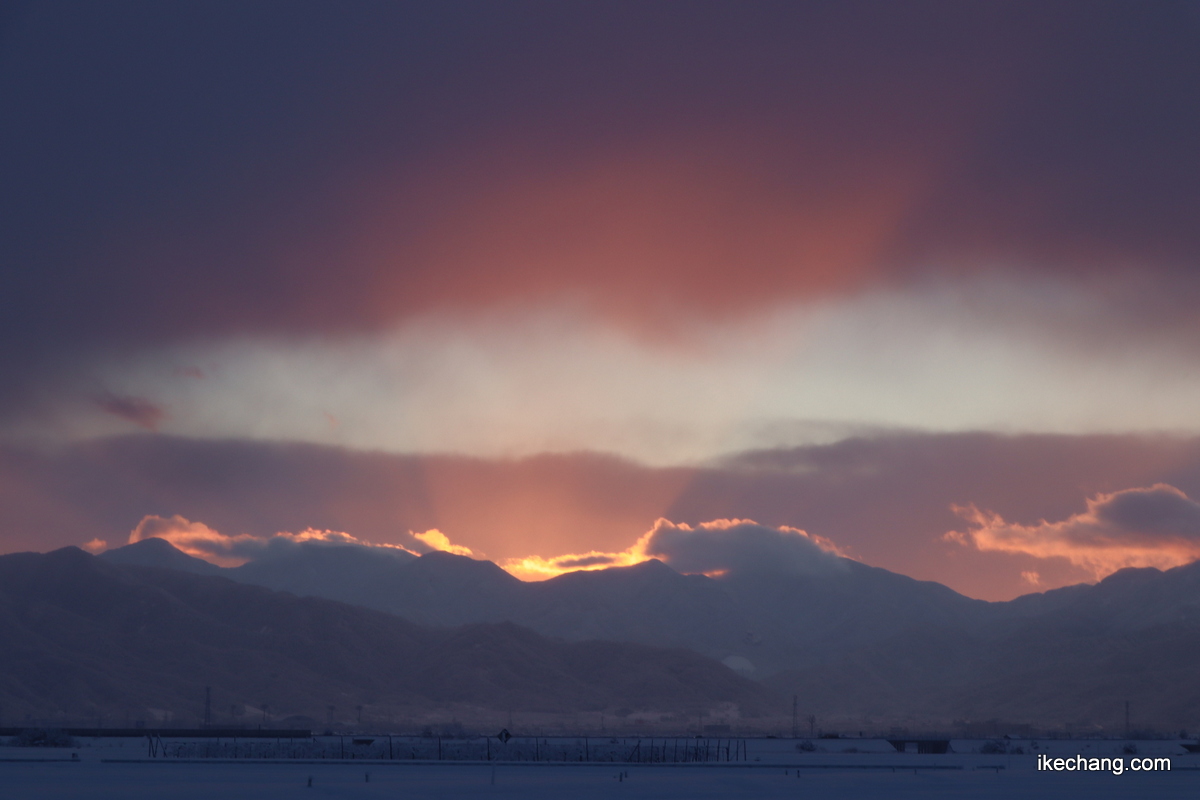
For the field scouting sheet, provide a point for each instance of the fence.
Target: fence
(677, 750)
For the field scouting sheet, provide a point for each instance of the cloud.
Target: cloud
(508, 384)
(715, 548)
(571, 562)
(199, 540)
(886, 498)
(1156, 526)
(722, 198)
(436, 540)
(96, 546)
(137, 410)
(538, 568)
(740, 546)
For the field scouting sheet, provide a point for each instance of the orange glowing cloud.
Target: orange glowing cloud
(538, 568)
(1156, 526)
(198, 540)
(436, 540)
(714, 548)
(194, 538)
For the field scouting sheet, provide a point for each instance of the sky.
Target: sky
(917, 280)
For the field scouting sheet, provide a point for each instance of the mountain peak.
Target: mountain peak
(156, 552)
(446, 565)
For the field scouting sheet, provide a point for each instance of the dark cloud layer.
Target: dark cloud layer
(740, 547)
(137, 410)
(886, 501)
(1156, 510)
(176, 170)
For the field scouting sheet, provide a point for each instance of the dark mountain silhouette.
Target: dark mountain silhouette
(858, 641)
(85, 637)
(156, 552)
(1067, 658)
(1129, 599)
(774, 621)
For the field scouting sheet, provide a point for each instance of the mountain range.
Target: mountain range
(855, 642)
(86, 639)
(759, 623)
(139, 630)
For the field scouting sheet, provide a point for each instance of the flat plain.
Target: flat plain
(111, 773)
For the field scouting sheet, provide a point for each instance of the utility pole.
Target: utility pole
(812, 725)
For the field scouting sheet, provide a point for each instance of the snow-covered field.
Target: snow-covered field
(106, 769)
(196, 781)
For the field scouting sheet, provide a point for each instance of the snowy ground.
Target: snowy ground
(193, 781)
(102, 772)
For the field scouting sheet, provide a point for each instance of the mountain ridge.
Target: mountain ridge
(870, 644)
(773, 622)
(88, 638)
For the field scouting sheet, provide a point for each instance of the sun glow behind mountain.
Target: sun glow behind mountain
(531, 281)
